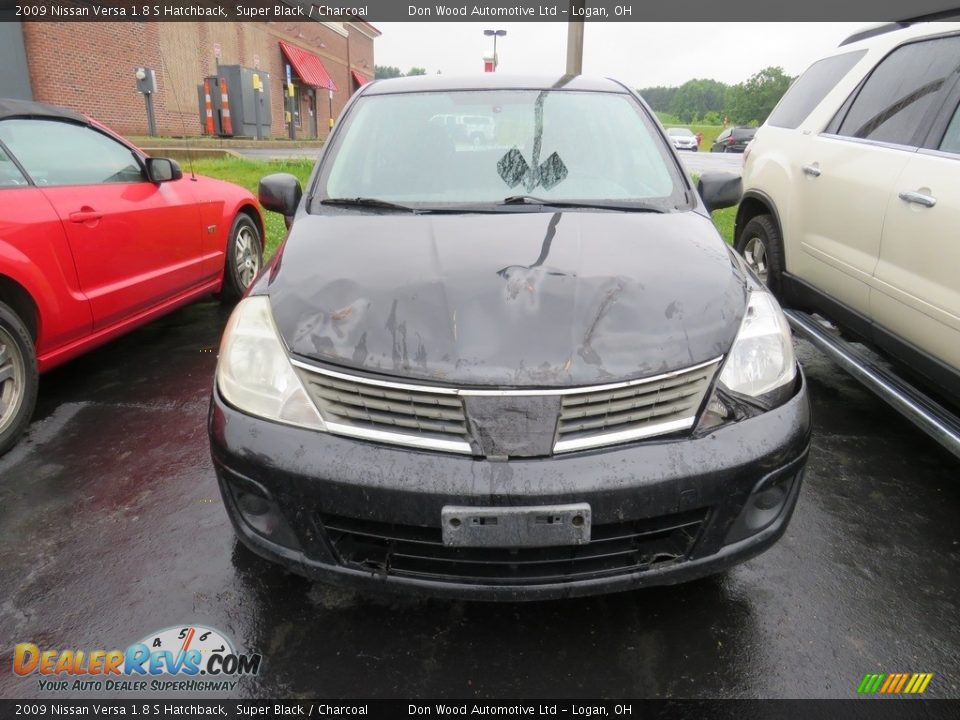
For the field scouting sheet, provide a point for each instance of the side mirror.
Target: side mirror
(720, 190)
(160, 170)
(281, 193)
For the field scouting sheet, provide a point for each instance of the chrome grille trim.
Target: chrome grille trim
(371, 381)
(365, 407)
(418, 441)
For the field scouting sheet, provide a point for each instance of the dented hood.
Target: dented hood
(509, 299)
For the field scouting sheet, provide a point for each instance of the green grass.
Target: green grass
(724, 220)
(247, 173)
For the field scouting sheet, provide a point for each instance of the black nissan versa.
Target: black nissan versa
(521, 369)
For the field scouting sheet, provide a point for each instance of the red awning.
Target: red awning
(308, 66)
(360, 78)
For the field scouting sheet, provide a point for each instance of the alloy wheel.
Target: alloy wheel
(755, 253)
(247, 259)
(12, 374)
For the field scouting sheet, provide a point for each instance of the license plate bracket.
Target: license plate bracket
(516, 527)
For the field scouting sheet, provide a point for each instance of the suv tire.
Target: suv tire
(761, 246)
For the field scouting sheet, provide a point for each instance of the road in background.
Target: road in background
(701, 162)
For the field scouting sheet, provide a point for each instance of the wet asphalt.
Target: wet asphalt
(111, 527)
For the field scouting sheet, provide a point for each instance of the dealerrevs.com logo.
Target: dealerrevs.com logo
(184, 658)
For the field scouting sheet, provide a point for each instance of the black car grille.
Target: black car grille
(419, 552)
(436, 418)
(637, 408)
(393, 410)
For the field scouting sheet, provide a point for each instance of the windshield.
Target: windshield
(463, 148)
(679, 132)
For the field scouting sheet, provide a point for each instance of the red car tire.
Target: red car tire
(244, 258)
(18, 377)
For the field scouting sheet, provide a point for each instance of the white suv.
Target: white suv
(851, 202)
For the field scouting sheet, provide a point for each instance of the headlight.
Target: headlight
(759, 370)
(761, 359)
(254, 373)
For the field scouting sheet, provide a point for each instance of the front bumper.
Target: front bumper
(368, 516)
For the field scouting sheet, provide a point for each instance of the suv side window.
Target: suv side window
(10, 175)
(892, 102)
(951, 139)
(810, 88)
(62, 153)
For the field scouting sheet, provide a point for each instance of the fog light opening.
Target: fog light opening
(761, 509)
(770, 498)
(251, 505)
(263, 515)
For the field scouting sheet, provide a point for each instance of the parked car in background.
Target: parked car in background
(479, 129)
(506, 374)
(733, 140)
(96, 239)
(472, 129)
(683, 139)
(852, 207)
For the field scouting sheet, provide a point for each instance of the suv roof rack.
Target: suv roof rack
(874, 32)
(885, 28)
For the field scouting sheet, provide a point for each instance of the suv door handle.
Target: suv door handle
(811, 170)
(918, 198)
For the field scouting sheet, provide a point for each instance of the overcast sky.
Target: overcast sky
(641, 54)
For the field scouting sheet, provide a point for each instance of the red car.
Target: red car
(96, 239)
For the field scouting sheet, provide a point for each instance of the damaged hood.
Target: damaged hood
(509, 299)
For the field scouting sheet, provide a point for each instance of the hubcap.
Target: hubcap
(11, 380)
(755, 253)
(247, 259)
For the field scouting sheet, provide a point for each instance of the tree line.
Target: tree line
(384, 72)
(712, 102)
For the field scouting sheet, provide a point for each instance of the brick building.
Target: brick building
(90, 67)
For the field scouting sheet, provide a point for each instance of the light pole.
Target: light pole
(495, 34)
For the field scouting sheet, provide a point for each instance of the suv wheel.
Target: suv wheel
(18, 377)
(761, 246)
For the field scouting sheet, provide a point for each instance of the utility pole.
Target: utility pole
(575, 39)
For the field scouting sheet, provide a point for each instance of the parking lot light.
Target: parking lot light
(495, 34)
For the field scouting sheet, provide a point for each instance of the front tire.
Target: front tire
(761, 246)
(244, 258)
(18, 377)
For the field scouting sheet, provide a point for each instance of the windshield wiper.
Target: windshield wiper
(627, 205)
(367, 202)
